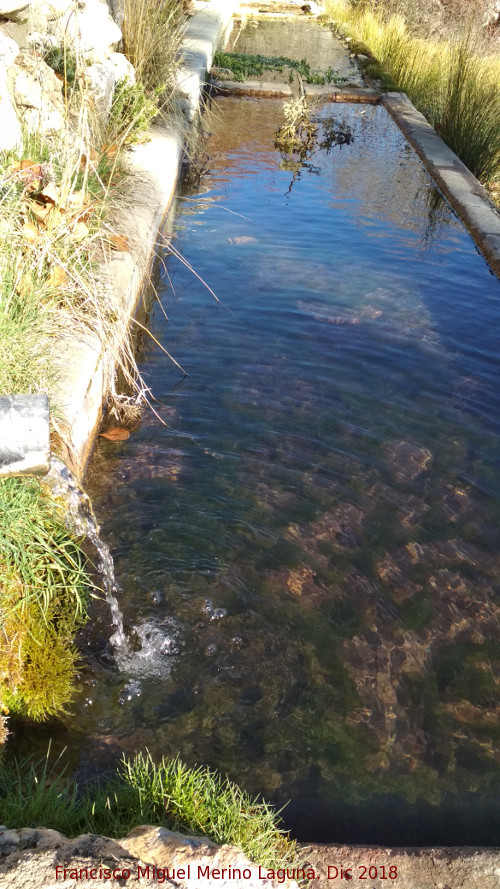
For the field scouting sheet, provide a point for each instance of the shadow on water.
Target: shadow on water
(307, 550)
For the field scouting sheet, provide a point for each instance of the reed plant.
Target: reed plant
(453, 84)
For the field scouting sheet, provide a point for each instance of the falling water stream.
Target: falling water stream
(81, 519)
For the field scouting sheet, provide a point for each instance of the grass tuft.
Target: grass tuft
(152, 32)
(169, 793)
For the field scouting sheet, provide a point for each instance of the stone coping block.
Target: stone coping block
(207, 29)
(272, 90)
(458, 867)
(468, 197)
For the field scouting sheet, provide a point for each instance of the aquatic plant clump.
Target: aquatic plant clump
(243, 65)
(43, 597)
(303, 133)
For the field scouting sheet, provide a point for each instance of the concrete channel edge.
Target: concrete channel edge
(83, 362)
(467, 196)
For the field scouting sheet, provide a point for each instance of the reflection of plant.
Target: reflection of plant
(304, 133)
(298, 134)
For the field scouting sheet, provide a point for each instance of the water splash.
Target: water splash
(80, 517)
(158, 643)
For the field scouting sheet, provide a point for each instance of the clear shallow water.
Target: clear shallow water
(308, 550)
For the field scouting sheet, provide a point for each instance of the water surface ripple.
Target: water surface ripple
(310, 545)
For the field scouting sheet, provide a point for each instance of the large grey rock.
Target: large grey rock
(10, 8)
(9, 51)
(89, 29)
(197, 857)
(10, 127)
(150, 856)
(37, 95)
(102, 78)
(24, 435)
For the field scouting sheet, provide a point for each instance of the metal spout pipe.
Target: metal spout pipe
(24, 435)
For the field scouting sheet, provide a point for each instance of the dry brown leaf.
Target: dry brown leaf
(79, 231)
(116, 433)
(31, 233)
(78, 199)
(55, 216)
(119, 242)
(109, 150)
(27, 165)
(30, 173)
(57, 276)
(50, 194)
(92, 156)
(39, 210)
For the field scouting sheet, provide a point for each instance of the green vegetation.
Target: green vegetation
(64, 63)
(144, 792)
(449, 80)
(43, 596)
(244, 65)
(132, 112)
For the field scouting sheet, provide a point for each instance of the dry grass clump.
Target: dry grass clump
(152, 33)
(449, 80)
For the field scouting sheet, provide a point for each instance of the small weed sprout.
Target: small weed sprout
(132, 112)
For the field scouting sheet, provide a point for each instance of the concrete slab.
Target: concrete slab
(266, 89)
(207, 29)
(461, 867)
